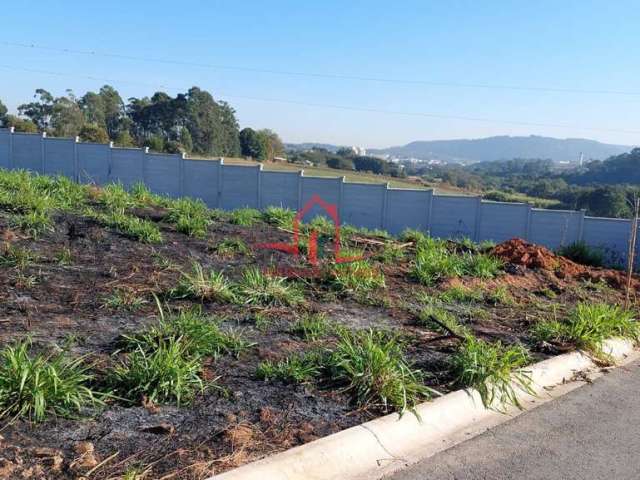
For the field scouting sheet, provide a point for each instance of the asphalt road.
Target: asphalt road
(590, 433)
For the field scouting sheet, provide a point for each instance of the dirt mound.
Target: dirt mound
(519, 252)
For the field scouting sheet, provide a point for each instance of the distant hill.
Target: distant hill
(504, 148)
(300, 147)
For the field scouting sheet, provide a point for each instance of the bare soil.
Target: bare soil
(63, 306)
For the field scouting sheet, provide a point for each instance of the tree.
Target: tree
(39, 112)
(186, 141)
(251, 145)
(124, 139)
(105, 108)
(20, 124)
(91, 132)
(271, 143)
(606, 202)
(340, 162)
(3, 113)
(67, 118)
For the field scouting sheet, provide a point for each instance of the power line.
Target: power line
(334, 106)
(335, 76)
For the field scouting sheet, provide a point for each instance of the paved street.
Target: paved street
(591, 433)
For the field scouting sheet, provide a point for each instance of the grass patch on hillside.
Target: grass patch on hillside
(582, 253)
(279, 217)
(189, 216)
(204, 285)
(231, 247)
(259, 288)
(588, 326)
(300, 368)
(38, 386)
(312, 326)
(245, 217)
(490, 368)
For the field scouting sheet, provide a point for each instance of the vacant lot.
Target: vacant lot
(144, 337)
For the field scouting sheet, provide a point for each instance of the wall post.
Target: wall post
(478, 222)
(259, 186)
(385, 199)
(181, 174)
(220, 185)
(11, 163)
(76, 160)
(340, 197)
(110, 162)
(527, 228)
(42, 150)
(581, 225)
(300, 175)
(429, 210)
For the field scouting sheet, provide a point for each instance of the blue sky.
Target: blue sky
(582, 45)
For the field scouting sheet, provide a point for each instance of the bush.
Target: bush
(311, 326)
(491, 368)
(37, 386)
(231, 247)
(279, 217)
(189, 216)
(294, 369)
(582, 253)
(245, 217)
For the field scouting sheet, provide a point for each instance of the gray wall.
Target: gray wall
(359, 204)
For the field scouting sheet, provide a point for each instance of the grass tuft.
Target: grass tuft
(198, 284)
(258, 288)
(300, 368)
(312, 326)
(189, 216)
(245, 217)
(37, 386)
(582, 253)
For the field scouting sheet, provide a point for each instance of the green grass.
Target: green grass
(371, 367)
(312, 326)
(435, 317)
(258, 288)
(204, 285)
(390, 253)
(582, 253)
(482, 265)
(499, 295)
(492, 369)
(16, 256)
(123, 299)
(63, 256)
(588, 326)
(461, 294)
(231, 247)
(245, 217)
(279, 217)
(165, 374)
(200, 335)
(128, 225)
(38, 386)
(301, 368)
(34, 223)
(359, 277)
(189, 216)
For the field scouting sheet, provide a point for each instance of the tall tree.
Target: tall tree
(251, 144)
(67, 118)
(3, 113)
(39, 112)
(271, 143)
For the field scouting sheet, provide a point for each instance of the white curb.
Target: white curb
(386, 444)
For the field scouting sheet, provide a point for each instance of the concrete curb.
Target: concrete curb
(386, 444)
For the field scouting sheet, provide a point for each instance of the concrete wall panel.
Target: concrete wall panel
(328, 189)
(502, 221)
(554, 228)
(27, 152)
(93, 163)
(162, 174)
(239, 187)
(453, 216)
(127, 166)
(279, 189)
(201, 180)
(362, 204)
(407, 209)
(59, 157)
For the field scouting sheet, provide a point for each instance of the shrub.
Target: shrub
(491, 368)
(123, 299)
(245, 217)
(189, 216)
(258, 288)
(130, 226)
(37, 386)
(588, 326)
(211, 286)
(582, 253)
(482, 265)
(14, 256)
(433, 262)
(371, 366)
(437, 318)
(165, 374)
(356, 277)
(461, 294)
(311, 326)
(34, 223)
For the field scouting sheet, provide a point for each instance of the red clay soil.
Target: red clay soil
(519, 252)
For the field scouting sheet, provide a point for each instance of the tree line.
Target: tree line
(346, 159)
(192, 122)
(603, 188)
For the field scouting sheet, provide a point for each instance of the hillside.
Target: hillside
(505, 147)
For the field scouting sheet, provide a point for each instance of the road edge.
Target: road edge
(387, 444)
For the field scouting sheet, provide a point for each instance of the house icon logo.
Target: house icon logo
(293, 248)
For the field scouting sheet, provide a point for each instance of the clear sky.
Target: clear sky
(561, 44)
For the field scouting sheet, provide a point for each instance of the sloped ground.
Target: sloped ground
(63, 299)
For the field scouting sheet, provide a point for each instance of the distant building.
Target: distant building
(359, 151)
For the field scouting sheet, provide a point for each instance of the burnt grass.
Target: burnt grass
(63, 305)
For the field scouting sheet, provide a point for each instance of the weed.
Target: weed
(189, 216)
(245, 217)
(461, 294)
(130, 226)
(433, 262)
(300, 368)
(588, 326)
(437, 318)
(25, 281)
(582, 253)
(499, 295)
(37, 386)
(123, 299)
(64, 256)
(15, 256)
(211, 286)
(356, 277)
(200, 335)
(262, 321)
(34, 223)
(312, 326)
(258, 288)
(482, 265)
(411, 235)
(231, 247)
(371, 366)
(391, 253)
(165, 374)
(279, 217)
(491, 369)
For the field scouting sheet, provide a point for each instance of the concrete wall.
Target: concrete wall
(358, 204)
